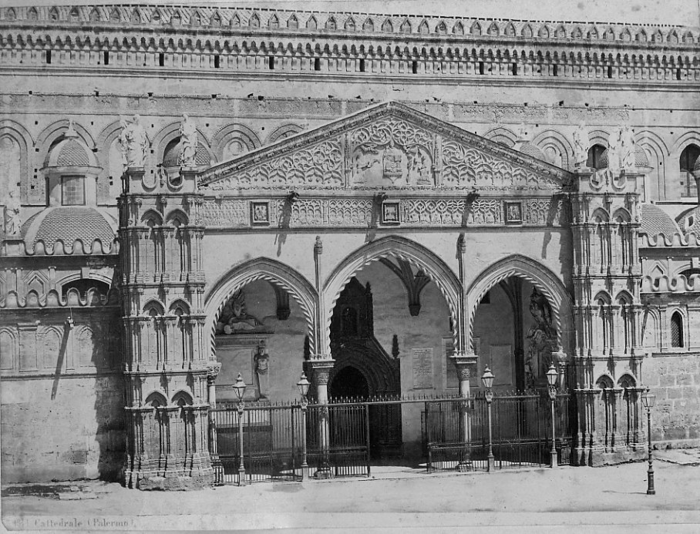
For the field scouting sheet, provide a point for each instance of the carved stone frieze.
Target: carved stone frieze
(465, 166)
(227, 214)
(332, 212)
(357, 212)
(319, 165)
(387, 146)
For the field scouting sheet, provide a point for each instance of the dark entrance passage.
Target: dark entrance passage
(349, 383)
(365, 370)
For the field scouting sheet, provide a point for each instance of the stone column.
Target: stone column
(466, 368)
(213, 369)
(321, 371)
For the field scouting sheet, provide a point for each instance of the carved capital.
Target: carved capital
(321, 370)
(466, 365)
(213, 369)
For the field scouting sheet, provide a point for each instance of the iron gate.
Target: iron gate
(521, 431)
(272, 442)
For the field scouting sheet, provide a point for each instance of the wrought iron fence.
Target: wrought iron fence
(521, 428)
(272, 442)
(342, 438)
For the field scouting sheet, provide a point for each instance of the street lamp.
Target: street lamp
(648, 399)
(487, 380)
(239, 390)
(303, 386)
(552, 377)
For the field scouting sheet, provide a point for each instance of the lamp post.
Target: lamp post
(303, 386)
(487, 380)
(552, 376)
(648, 399)
(239, 390)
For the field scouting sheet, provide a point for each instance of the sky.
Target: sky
(678, 12)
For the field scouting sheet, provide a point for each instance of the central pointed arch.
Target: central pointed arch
(539, 276)
(276, 273)
(386, 247)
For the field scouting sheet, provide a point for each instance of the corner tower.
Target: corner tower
(166, 352)
(607, 276)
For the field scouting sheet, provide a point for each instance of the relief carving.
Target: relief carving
(316, 166)
(465, 166)
(391, 152)
(228, 214)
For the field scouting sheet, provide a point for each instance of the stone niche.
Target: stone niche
(245, 353)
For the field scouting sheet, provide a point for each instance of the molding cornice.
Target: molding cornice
(223, 19)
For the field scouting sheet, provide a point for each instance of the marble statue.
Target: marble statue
(581, 147)
(13, 222)
(627, 148)
(133, 142)
(614, 152)
(541, 339)
(262, 370)
(188, 142)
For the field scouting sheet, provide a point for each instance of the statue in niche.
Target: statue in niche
(234, 317)
(133, 142)
(581, 147)
(261, 364)
(627, 148)
(13, 222)
(541, 340)
(188, 142)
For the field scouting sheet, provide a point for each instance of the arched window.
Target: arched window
(688, 158)
(676, 330)
(594, 154)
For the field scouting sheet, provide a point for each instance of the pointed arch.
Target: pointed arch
(179, 304)
(153, 305)
(399, 247)
(549, 284)
(272, 271)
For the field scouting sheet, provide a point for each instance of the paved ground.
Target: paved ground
(601, 500)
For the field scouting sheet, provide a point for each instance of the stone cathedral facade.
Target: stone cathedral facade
(390, 203)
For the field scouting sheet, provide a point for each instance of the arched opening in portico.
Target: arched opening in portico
(392, 308)
(260, 318)
(520, 322)
(514, 334)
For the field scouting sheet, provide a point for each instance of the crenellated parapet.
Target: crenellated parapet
(225, 39)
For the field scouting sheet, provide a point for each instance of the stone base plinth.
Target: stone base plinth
(598, 458)
(153, 481)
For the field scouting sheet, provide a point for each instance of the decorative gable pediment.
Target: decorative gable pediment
(387, 146)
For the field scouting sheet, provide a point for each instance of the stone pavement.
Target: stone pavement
(601, 500)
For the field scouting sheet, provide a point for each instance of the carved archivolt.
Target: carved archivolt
(404, 249)
(261, 269)
(541, 277)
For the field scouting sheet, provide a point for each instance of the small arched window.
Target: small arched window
(676, 330)
(594, 154)
(687, 161)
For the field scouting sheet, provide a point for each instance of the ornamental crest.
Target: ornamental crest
(393, 163)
